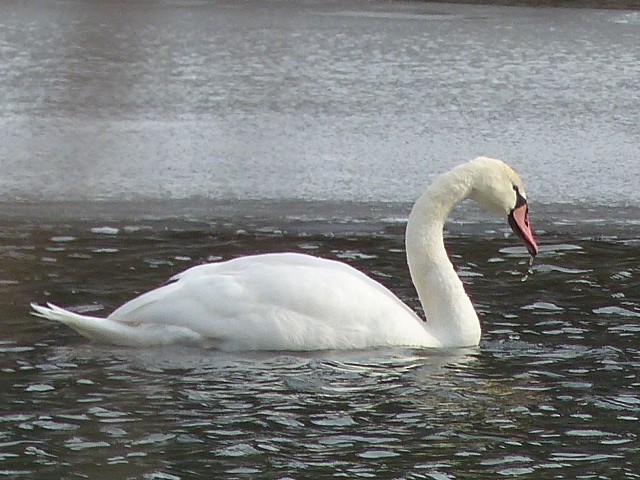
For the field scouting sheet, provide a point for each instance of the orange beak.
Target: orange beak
(519, 222)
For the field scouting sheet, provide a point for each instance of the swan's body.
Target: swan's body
(292, 301)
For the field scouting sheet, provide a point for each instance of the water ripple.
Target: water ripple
(550, 391)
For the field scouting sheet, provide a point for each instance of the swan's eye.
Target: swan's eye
(520, 200)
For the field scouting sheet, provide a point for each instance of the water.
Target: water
(339, 100)
(140, 140)
(552, 390)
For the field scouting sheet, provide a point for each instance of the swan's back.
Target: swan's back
(279, 301)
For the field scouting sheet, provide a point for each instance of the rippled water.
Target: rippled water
(552, 390)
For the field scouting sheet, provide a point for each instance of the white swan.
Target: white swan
(291, 301)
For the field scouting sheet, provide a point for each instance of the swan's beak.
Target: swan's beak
(519, 222)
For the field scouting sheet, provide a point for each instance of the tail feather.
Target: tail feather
(104, 330)
(55, 313)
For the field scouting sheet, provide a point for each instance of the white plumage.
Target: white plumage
(292, 301)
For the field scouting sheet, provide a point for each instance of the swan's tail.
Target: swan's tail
(105, 330)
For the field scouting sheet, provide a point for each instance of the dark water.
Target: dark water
(551, 392)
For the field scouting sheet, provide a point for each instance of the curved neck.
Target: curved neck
(450, 315)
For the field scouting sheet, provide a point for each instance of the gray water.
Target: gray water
(337, 100)
(139, 139)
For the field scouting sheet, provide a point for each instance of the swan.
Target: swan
(292, 301)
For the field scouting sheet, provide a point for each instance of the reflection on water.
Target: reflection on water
(552, 390)
(337, 100)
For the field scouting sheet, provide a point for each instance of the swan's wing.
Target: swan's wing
(279, 301)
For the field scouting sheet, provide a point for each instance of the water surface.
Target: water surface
(139, 139)
(551, 391)
(339, 100)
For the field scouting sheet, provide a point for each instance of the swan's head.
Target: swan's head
(499, 189)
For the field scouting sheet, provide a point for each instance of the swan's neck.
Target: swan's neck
(450, 315)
